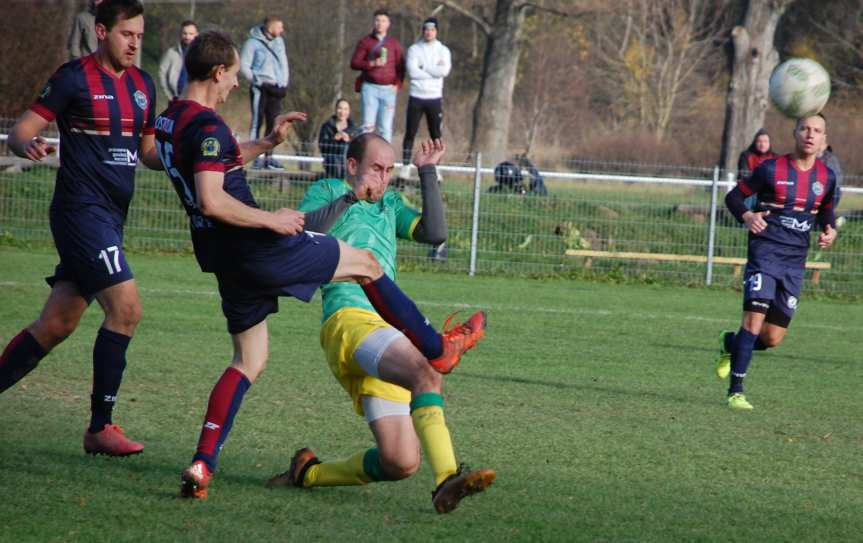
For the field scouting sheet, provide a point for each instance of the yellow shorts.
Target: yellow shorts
(341, 334)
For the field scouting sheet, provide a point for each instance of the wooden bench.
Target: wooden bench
(737, 262)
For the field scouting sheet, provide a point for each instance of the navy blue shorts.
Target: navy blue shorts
(89, 241)
(292, 266)
(773, 280)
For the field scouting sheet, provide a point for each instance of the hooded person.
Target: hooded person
(264, 63)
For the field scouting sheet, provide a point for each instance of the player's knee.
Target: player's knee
(772, 340)
(127, 315)
(55, 327)
(400, 465)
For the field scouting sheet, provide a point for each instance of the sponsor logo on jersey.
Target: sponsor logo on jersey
(45, 91)
(103, 97)
(793, 224)
(120, 156)
(817, 188)
(784, 182)
(210, 147)
(141, 99)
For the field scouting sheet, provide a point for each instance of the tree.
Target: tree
(649, 51)
(493, 109)
(753, 61)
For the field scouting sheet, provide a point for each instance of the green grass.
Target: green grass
(595, 402)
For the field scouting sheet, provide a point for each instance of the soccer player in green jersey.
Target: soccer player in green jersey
(390, 382)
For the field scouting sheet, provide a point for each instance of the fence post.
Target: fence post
(711, 233)
(474, 228)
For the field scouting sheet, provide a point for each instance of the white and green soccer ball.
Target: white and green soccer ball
(799, 87)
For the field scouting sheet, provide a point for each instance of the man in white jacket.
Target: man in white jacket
(428, 63)
(172, 73)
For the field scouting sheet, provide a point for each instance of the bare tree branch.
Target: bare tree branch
(480, 21)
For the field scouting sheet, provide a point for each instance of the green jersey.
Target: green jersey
(365, 225)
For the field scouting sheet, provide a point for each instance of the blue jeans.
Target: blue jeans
(378, 109)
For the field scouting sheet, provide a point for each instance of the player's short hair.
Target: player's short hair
(269, 19)
(188, 22)
(797, 124)
(110, 12)
(358, 145)
(209, 50)
(382, 11)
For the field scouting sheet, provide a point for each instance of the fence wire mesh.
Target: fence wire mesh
(517, 234)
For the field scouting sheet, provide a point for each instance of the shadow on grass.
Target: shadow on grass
(611, 391)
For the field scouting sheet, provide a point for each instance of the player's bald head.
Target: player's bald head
(366, 143)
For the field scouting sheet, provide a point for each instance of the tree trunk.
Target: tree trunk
(341, 17)
(754, 60)
(493, 109)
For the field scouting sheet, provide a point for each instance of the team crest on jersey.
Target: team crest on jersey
(45, 91)
(141, 99)
(817, 188)
(792, 302)
(210, 147)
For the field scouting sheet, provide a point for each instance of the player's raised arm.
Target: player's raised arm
(432, 227)
(217, 204)
(24, 139)
(250, 149)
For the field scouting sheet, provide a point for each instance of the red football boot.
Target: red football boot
(194, 480)
(458, 340)
(111, 441)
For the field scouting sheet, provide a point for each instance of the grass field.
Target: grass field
(595, 402)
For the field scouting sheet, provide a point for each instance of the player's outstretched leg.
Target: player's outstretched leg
(443, 351)
(250, 356)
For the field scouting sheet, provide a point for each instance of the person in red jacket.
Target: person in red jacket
(757, 152)
(381, 60)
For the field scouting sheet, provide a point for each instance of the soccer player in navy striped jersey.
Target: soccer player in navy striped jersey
(258, 256)
(104, 108)
(795, 193)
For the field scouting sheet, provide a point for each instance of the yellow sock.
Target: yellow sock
(361, 468)
(427, 414)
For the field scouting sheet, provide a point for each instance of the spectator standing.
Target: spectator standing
(82, 39)
(428, 63)
(172, 71)
(264, 63)
(380, 58)
(334, 137)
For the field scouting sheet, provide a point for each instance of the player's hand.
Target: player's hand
(826, 238)
(430, 152)
(755, 222)
(38, 149)
(380, 61)
(288, 222)
(283, 126)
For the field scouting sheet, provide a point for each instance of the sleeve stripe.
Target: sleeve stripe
(413, 226)
(744, 188)
(209, 167)
(43, 112)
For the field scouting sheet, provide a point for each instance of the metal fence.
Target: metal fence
(604, 225)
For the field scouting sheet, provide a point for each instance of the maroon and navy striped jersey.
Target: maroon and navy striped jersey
(101, 118)
(192, 138)
(794, 198)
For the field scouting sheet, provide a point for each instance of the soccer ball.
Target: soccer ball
(799, 87)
